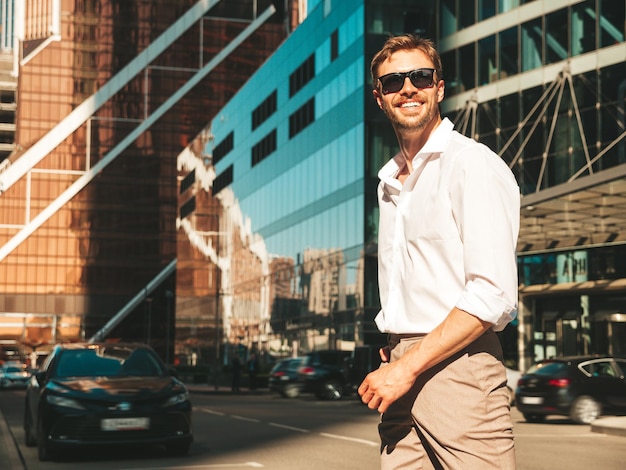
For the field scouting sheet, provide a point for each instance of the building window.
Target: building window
(223, 147)
(222, 180)
(508, 56)
(188, 207)
(612, 23)
(532, 37)
(264, 147)
(556, 36)
(467, 67)
(304, 116)
(264, 110)
(302, 75)
(487, 69)
(334, 45)
(486, 9)
(187, 181)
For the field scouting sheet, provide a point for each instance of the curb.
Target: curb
(615, 426)
(8, 448)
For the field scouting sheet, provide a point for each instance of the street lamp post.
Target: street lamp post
(218, 273)
(169, 295)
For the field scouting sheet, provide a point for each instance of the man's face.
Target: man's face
(410, 108)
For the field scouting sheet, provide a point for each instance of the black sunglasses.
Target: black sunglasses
(420, 78)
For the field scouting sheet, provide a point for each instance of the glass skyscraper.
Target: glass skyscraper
(296, 153)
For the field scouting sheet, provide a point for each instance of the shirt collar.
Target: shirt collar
(436, 143)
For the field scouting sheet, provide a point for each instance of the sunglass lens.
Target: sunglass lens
(421, 78)
(393, 83)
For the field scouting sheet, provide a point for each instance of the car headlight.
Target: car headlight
(63, 401)
(177, 399)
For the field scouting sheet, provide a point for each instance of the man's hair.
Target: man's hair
(406, 42)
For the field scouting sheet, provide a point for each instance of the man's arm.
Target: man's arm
(387, 384)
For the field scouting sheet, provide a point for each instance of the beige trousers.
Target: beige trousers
(457, 416)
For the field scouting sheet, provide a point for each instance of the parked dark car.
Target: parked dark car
(14, 375)
(582, 387)
(284, 377)
(326, 374)
(106, 394)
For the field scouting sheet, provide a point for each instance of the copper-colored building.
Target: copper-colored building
(108, 95)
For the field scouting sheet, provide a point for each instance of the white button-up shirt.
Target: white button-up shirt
(447, 236)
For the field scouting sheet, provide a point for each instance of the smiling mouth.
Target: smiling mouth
(411, 104)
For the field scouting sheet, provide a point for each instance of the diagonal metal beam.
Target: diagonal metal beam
(87, 108)
(89, 175)
(134, 302)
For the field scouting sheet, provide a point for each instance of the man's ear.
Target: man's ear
(441, 87)
(378, 97)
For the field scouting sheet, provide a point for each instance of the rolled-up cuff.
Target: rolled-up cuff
(486, 303)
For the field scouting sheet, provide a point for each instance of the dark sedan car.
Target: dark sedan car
(13, 375)
(106, 394)
(284, 377)
(581, 387)
(326, 373)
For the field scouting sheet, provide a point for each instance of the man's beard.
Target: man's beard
(409, 122)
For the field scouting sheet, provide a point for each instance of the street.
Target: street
(265, 431)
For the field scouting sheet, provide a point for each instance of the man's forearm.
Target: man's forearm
(457, 331)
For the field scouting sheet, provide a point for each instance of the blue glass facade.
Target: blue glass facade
(298, 169)
(297, 152)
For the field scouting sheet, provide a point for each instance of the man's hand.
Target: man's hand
(385, 385)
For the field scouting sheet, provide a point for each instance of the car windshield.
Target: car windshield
(548, 368)
(108, 362)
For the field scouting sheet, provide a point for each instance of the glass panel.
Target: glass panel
(487, 123)
(534, 147)
(448, 61)
(467, 13)
(556, 36)
(613, 122)
(487, 70)
(506, 5)
(612, 22)
(467, 67)
(508, 53)
(583, 28)
(486, 9)
(448, 17)
(509, 119)
(532, 35)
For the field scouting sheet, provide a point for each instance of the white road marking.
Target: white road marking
(291, 428)
(243, 418)
(352, 439)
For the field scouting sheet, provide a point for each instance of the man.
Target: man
(449, 221)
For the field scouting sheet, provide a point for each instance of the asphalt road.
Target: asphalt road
(265, 431)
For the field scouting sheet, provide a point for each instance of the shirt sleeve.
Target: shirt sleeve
(486, 207)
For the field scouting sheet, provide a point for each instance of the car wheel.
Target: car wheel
(330, 390)
(44, 452)
(585, 409)
(178, 449)
(534, 418)
(29, 436)
(291, 391)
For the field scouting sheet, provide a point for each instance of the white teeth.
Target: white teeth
(410, 105)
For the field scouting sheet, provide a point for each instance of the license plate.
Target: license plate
(532, 400)
(125, 424)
